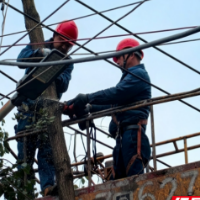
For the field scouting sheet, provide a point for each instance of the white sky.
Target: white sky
(171, 119)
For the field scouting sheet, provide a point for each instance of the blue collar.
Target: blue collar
(136, 67)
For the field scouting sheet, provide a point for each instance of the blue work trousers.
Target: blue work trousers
(125, 149)
(46, 167)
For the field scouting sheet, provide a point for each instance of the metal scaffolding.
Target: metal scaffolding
(101, 170)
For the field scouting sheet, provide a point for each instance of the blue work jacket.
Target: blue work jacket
(130, 89)
(62, 81)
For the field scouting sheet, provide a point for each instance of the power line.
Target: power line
(106, 59)
(109, 26)
(100, 52)
(82, 17)
(97, 38)
(35, 26)
(183, 41)
(111, 55)
(123, 28)
(8, 76)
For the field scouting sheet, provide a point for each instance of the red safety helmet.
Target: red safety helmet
(68, 29)
(127, 43)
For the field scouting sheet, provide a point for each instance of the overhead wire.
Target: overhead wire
(40, 23)
(129, 50)
(96, 38)
(83, 44)
(119, 67)
(12, 79)
(179, 42)
(138, 37)
(82, 17)
(110, 55)
(109, 26)
(101, 52)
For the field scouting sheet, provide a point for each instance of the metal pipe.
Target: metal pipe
(25, 134)
(185, 150)
(4, 96)
(39, 23)
(157, 144)
(176, 139)
(112, 62)
(174, 152)
(153, 138)
(85, 16)
(107, 27)
(103, 131)
(8, 76)
(110, 55)
(147, 102)
(88, 154)
(6, 109)
(138, 37)
(163, 162)
(175, 145)
(74, 152)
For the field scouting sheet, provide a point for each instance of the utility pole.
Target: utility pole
(61, 158)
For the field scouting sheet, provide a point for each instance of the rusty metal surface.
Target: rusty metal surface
(160, 185)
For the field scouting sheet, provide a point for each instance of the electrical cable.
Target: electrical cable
(126, 51)
(35, 26)
(183, 41)
(111, 55)
(119, 67)
(140, 38)
(109, 26)
(8, 76)
(97, 38)
(119, 7)
(100, 52)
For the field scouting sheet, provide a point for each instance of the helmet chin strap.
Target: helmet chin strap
(125, 60)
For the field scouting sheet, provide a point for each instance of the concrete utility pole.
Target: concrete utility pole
(61, 158)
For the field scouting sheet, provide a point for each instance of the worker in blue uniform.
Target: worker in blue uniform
(132, 150)
(45, 161)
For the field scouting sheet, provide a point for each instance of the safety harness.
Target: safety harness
(120, 133)
(139, 137)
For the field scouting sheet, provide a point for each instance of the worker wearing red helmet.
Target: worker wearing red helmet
(64, 37)
(132, 150)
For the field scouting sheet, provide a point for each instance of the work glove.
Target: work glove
(76, 106)
(79, 102)
(68, 110)
(44, 51)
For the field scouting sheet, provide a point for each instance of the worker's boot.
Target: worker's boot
(51, 190)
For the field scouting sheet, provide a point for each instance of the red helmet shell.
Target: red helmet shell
(68, 29)
(127, 43)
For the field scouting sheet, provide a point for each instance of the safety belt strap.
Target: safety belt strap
(139, 136)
